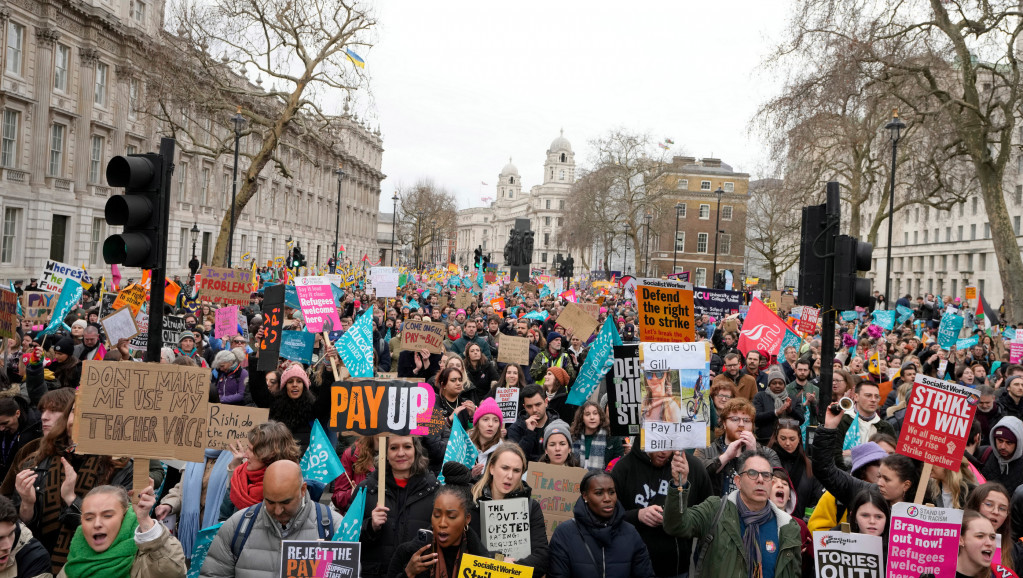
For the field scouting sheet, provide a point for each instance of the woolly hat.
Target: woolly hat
(775, 373)
(487, 406)
(558, 426)
(559, 374)
(552, 336)
(1011, 379)
(295, 371)
(1003, 433)
(81, 323)
(865, 454)
(186, 335)
(66, 345)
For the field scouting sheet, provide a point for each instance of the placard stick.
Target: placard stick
(140, 477)
(381, 468)
(333, 363)
(925, 476)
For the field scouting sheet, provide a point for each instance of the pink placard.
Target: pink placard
(923, 540)
(1015, 352)
(226, 322)
(317, 301)
(423, 422)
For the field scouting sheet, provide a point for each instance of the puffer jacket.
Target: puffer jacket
(261, 555)
(615, 546)
(28, 557)
(538, 559)
(410, 508)
(231, 386)
(159, 558)
(726, 555)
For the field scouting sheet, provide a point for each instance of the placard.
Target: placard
(269, 347)
(717, 303)
(579, 321)
(624, 382)
(119, 325)
(317, 301)
(1015, 351)
(54, 273)
(37, 306)
(937, 423)
(505, 526)
(230, 423)
(513, 349)
(971, 292)
(556, 488)
(923, 540)
(226, 322)
(370, 407)
(665, 310)
(507, 399)
(313, 558)
(848, 554)
(480, 567)
(808, 320)
(173, 326)
(463, 299)
(8, 314)
(151, 410)
(660, 356)
(384, 280)
(141, 339)
(133, 297)
(297, 346)
(225, 286)
(419, 335)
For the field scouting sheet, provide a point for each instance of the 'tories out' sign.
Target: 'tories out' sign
(937, 423)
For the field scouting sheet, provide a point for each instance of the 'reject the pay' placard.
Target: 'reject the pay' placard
(938, 418)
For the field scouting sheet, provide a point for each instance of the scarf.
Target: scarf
(246, 487)
(440, 569)
(594, 460)
(114, 562)
(779, 398)
(751, 537)
(191, 494)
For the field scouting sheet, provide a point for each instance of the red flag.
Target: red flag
(761, 330)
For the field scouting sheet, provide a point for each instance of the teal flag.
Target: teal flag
(885, 318)
(967, 342)
(544, 291)
(351, 525)
(904, 313)
(19, 299)
(426, 294)
(356, 346)
(538, 315)
(402, 279)
(413, 305)
(791, 338)
(598, 362)
(320, 461)
(948, 330)
(70, 295)
(202, 546)
(460, 448)
(850, 316)
(1008, 335)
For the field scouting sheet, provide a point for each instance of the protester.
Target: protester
(991, 500)
(774, 403)
(19, 425)
(551, 356)
(450, 400)
(598, 541)
(787, 442)
(1002, 462)
(555, 386)
(977, 543)
(470, 335)
(358, 460)
(803, 390)
(21, 555)
(487, 432)
(557, 444)
(197, 498)
(481, 372)
(593, 444)
(783, 495)
(745, 385)
(268, 442)
(721, 392)
(720, 458)
(527, 431)
(296, 403)
(989, 411)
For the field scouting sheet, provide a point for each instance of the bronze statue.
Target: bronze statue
(526, 250)
(511, 249)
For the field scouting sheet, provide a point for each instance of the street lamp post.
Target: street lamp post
(419, 235)
(646, 266)
(238, 120)
(717, 232)
(625, 258)
(193, 265)
(674, 242)
(337, 218)
(894, 127)
(394, 216)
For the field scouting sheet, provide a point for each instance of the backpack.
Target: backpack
(704, 544)
(324, 526)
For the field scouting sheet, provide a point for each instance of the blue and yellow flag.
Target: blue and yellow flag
(355, 58)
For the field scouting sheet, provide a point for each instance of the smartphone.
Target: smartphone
(426, 536)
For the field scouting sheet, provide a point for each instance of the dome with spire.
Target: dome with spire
(510, 169)
(561, 143)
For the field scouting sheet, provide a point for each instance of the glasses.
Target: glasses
(998, 508)
(723, 396)
(743, 421)
(753, 475)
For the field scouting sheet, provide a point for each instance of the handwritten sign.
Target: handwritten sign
(417, 335)
(923, 540)
(132, 297)
(938, 418)
(318, 305)
(578, 320)
(226, 322)
(508, 400)
(230, 423)
(848, 554)
(370, 407)
(269, 346)
(225, 286)
(556, 488)
(463, 299)
(505, 526)
(142, 409)
(8, 314)
(512, 349)
(54, 274)
(37, 306)
(665, 310)
(307, 558)
(119, 325)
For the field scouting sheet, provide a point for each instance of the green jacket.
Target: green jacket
(726, 556)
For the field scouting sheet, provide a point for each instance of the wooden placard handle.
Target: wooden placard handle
(381, 469)
(925, 477)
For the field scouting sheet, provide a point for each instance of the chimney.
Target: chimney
(711, 162)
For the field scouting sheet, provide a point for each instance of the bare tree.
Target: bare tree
(297, 54)
(426, 213)
(773, 218)
(591, 217)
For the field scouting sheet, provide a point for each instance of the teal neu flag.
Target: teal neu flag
(70, 295)
(460, 448)
(538, 315)
(320, 461)
(351, 525)
(598, 362)
(356, 346)
(948, 330)
(791, 338)
(202, 546)
(885, 318)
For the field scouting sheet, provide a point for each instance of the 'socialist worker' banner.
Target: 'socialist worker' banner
(923, 540)
(480, 567)
(665, 310)
(370, 407)
(142, 410)
(938, 419)
(842, 554)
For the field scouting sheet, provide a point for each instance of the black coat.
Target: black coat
(766, 418)
(411, 508)
(1011, 478)
(842, 485)
(538, 560)
(403, 554)
(479, 380)
(407, 365)
(585, 547)
(531, 442)
(639, 484)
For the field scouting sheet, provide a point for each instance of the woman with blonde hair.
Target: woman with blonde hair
(953, 486)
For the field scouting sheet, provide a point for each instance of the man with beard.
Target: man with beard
(90, 348)
(745, 385)
(803, 390)
(1002, 463)
(720, 458)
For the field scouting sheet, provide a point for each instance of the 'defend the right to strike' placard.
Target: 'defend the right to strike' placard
(938, 417)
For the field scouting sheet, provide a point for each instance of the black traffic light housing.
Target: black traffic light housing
(811, 260)
(851, 290)
(139, 210)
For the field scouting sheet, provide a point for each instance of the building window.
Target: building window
(973, 231)
(9, 145)
(183, 248)
(704, 185)
(700, 279)
(973, 206)
(560, 221)
(96, 244)
(701, 242)
(683, 184)
(55, 167)
(948, 234)
(131, 150)
(547, 221)
(561, 176)
(961, 238)
(724, 243)
(982, 262)
(729, 187)
(101, 83)
(561, 204)
(548, 205)
(96, 160)
(925, 237)
(11, 218)
(905, 237)
(1015, 225)
(546, 239)
(1019, 194)
(133, 98)
(543, 257)
(680, 241)
(61, 64)
(726, 213)
(916, 237)
(15, 44)
(183, 183)
(987, 230)
(682, 210)
(704, 211)
(138, 11)
(58, 237)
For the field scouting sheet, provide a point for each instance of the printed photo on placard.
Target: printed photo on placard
(661, 400)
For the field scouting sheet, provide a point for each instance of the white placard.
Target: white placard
(508, 400)
(674, 355)
(659, 436)
(506, 526)
(119, 325)
(848, 554)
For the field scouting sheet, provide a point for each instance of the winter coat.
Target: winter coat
(717, 471)
(407, 366)
(766, 417)
(231, 386)
(726, 555)
(411, 508)
(827, 443)
(1010, 472)
(479, 380)
(31, 559)
(542, 362)
(260, 556)
(29, 428)
(538, 559)
(639, 484)
(1009, 406)
(403, 554)
(531, 442)
(343, 487)
(586, 547)
(459, 345)
(159, 558)
(745, 385)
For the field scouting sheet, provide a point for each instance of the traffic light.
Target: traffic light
(811, 261)
(851, 256)
(297, 259)
(139, 210)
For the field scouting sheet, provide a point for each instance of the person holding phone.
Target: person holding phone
(734, 437)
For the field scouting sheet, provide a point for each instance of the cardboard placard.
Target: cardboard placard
(579, 321)
(507, 399)
(369, 407)
(530, 289)
(119, 325)
(54, 273)
(513, 349)
(665, 311)
(938, 418)
(505, 526)
(556, 488)
(624, 384)
(226, 286)
(37, 306)
(148, 410)
(592, 309)
(307, 558)
(132, 297)
(226, 322)
(269, 347)
(8, 314)
(418, 335)
(463, 299)
(923, 540)
(480, 567)
(848, 554)
(230, 423)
